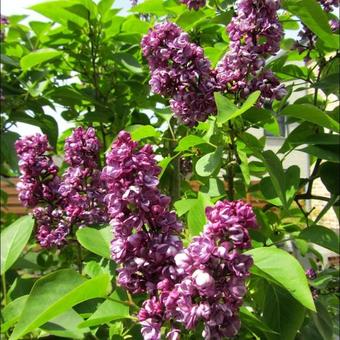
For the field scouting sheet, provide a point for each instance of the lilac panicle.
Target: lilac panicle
(180, 71)
(38, 180)
(145, 231)
(38, 189)
(255, 33)
(211, 274)
(81, 188)
(75, 199)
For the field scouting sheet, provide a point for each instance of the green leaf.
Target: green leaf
(319, 138)
(264, 118)
(139, 132)
(184, 205)
(11, 313)
(188, 19)
(38, 57)
(277, 176)
(329, 84)
(13, 241)
(312, 114)
(327, 152)
(282, 313)
(8, 153)
(47, 124)
(59, 291)
(113, 308)
(330, 177)
(104, 6)
(283, 269)
(96, 240)
(135, 25)
(323, 321)
(66, 326)
(322, 236)
(196, 216)
(152, 7)
(56, 10)
(189, 141)
(244, 163)
(314, 18)
(250, 320)
(209, 163)
(226, 110)
(128, 61)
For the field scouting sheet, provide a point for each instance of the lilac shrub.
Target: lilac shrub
(255, 33)
(179, 70)
(58, 203)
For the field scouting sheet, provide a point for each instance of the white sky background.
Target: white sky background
(19, 7)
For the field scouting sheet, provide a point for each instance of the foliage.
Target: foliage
(85, 63)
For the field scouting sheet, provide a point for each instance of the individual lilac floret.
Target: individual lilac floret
(81, 188)
(145, 231)
(194, 4)
(255, 33)
(311, 274)
(180, 71)
(213, 273)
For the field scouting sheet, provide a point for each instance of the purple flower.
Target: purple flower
(311, 274)
(255, 33)
(212, 272)
(145, 231)
(194, 4)
(75, 199)
(179, 70)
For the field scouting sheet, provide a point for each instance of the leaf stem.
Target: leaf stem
(4, 288)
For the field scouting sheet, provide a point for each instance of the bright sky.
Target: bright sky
(11, 7)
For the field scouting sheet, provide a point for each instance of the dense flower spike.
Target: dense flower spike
(145, 231)
(38, 189)
(76, 199)
(213, 272)
(38, 181)
(180, 70)
(194, 4)
(255, 32)
(81, 188)
(211, 277)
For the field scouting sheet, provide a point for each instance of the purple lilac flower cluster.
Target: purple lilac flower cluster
(255, 33)
(38, 188)
(307, 40)
(211, 275)
(146, 233)
(58, 203)
(179, 70)
(194, 4)
(82, 188)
